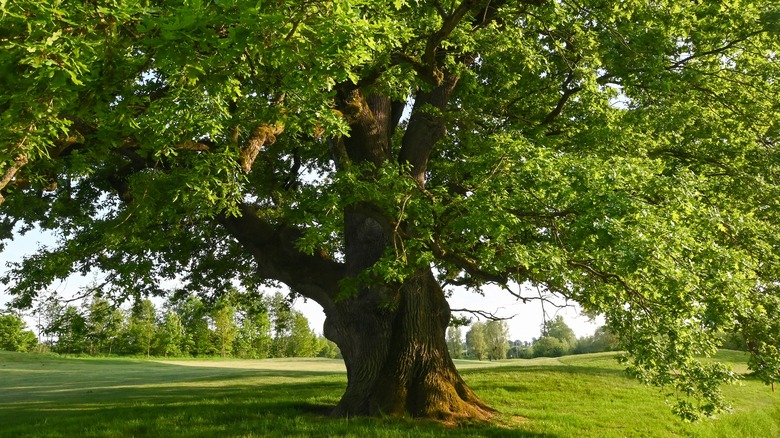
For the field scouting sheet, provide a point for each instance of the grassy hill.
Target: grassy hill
(575, 396)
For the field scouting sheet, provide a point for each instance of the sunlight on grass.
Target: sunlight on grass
(547, 361)
(574, 396)
(297, 364)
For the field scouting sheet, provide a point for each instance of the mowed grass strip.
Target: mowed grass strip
(575, 396)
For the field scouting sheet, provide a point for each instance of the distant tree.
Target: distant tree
(13, 336)
(225, 328)
(282, 314)
(253, 339)
(301, 340)
(519, 350)
(476, 344)
(47, 310)
(198, 337)
(557, 328)
(28, 341)
(292, 335)
(70, 329)
(104, 325)
(602, 340)
(117, 321)
(548, 346)
(497, 339)
(733, 341)
(169, 335)
(142, 327)
(328, 348)
(455, 343)
(557, 339)
(605, 339)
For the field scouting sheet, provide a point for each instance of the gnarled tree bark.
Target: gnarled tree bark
(397, 359)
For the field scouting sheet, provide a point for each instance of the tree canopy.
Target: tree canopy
(620, 154)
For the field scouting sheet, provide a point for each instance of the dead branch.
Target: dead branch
(484, 314)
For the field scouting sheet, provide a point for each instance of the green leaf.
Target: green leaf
(53, 37)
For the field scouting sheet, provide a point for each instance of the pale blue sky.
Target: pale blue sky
(524, 326)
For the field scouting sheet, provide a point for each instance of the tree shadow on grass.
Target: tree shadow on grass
(293, 410)
(42, 380)
(159, 400)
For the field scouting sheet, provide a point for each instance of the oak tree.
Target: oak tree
(371, 156)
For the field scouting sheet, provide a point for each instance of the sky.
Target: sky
(524, 325)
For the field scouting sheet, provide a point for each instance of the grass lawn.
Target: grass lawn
(575, 396)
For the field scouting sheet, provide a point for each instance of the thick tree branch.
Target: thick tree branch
(273, 247)
(471, 267)
(191, 145)
(565, 96)
(9, 174)
(449, 24)
(370, 118)
(423, 71)
(426, 127)
(262, 134)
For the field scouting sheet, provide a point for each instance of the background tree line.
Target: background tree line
(490, 340)
(250, 326)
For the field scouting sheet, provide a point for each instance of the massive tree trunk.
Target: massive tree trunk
(392, 337)
(396, 355)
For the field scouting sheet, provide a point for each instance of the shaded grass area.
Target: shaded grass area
(576, 396)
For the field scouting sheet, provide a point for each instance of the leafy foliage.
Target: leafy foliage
(188, 328)
(622, 154)
(455, 344)
(13, 336)
(476, 344)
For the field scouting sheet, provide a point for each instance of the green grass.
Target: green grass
(576, 396)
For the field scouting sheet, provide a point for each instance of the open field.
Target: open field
(575, 396)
